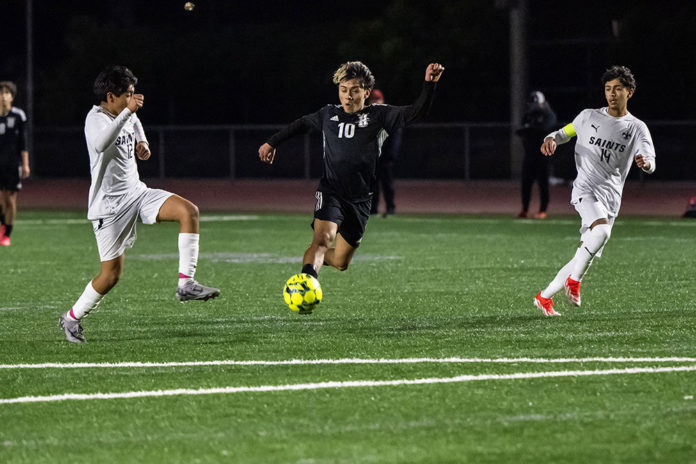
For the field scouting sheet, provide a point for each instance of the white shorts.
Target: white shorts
(115, 234)
(590, 209)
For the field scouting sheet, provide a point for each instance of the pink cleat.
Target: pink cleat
(4, 240)
(546, 305)
(572, 291)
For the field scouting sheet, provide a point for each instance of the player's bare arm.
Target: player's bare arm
(142, 150)
(548, 148)
(642, 163)
(433, 72)
(25, 169)
(267, 153)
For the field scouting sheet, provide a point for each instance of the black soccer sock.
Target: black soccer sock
(309, 269)
(8, 229)
(2, 218)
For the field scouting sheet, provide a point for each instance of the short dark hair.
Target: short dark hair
(622, 73)
(10, 86)
(355, 70)
(115, 79)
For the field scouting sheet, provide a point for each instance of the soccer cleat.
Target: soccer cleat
(572, 291)
(192, 290)
(540, 215)
(4, 240)
(73, 329)
(546, 305)
(523, 214)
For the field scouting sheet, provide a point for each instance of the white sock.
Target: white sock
(188, 257)
(88, 301)
(592, 242)
(557, 283)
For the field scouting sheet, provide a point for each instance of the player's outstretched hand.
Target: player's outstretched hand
(548, 148)
(433, 72)
(642, 163)
(267, 153)
(136, 102)
(142, 150)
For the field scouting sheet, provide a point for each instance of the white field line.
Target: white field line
(338, 384)
(250, 217)
(303, 362)
(71, 221)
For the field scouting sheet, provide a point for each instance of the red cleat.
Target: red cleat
(572, 291)
(546, 305)
(4, 240)
(523, 214)
(540, 215)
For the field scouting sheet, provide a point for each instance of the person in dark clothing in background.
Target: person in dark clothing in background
(385, 164)
(538, 120)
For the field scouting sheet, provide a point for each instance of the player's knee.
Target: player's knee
(192, 212)
(603, 231)
(343, 266)
(322, 240)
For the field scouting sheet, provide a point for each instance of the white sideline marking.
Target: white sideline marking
(337, 384)
(303, 362)
(206, 218)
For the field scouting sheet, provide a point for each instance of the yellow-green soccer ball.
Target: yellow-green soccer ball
(302, 293)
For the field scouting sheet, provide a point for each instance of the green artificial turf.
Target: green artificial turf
(431, 287)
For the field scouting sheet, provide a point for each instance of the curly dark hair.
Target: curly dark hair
(622, 73)
(355, 70)
(115, 79)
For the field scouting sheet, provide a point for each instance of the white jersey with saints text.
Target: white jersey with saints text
(604, 151)
(111, 142)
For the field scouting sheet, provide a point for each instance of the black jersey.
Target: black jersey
(13, 137)
(353, 142)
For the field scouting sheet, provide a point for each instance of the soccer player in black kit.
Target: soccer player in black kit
(353, 134)
(14, 158)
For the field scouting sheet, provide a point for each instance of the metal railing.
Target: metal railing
(458, 150)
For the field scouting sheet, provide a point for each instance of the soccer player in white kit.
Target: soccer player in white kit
(117, 197)
(609, 140)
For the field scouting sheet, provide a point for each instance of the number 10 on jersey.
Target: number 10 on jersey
(346, 130)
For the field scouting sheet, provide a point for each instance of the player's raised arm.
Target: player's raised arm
(433, 72)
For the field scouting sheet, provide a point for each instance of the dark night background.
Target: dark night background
(271, 61)
(262, 61)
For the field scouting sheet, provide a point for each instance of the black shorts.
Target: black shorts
(350, 217)
(9, 178)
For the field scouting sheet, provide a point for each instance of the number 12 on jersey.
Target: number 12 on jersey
(349, 131)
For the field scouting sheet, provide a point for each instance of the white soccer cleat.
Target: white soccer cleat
(192, 290)
(73, 329)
